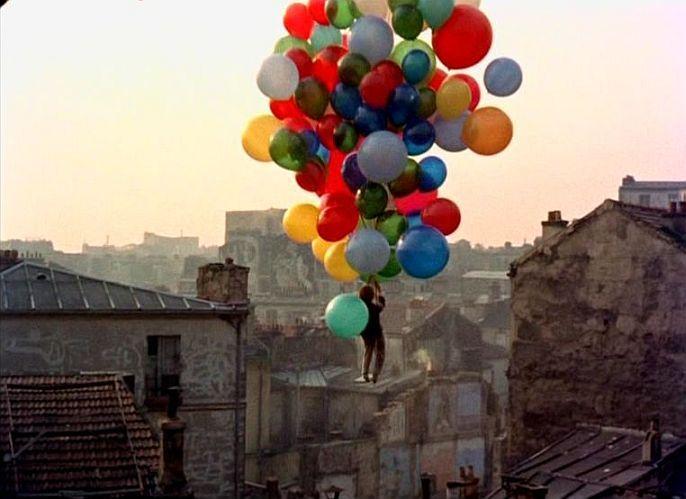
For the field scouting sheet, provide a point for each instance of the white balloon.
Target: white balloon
(382, 157)
(373, 7)
(371, 37)
(278, 77)
(473, 3)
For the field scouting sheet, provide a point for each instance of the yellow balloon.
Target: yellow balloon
(453, 98)
(321, 246)
(300, 222)
(256, 136)
(337, 266)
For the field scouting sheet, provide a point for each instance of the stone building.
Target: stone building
(599, 325)
(58, 322)
(651, 194)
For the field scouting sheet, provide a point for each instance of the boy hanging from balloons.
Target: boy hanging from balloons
(372, 334)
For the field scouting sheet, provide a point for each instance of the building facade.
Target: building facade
(59, 322)
(651, 194)
(599, 326)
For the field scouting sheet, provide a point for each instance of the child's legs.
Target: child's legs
(368, 353)
(380, 354)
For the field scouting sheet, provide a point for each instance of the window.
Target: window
(163, 365)
(644, 199)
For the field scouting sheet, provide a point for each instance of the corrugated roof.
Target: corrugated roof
(33, 288)
(75, 432)
(591, 461)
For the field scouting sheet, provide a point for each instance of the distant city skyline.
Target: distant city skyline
(125, 116)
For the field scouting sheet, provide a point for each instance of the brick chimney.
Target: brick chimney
(9, 258)
(554, 224)
(223, 282)
(675, 218)
(173, 482)
(652, 443)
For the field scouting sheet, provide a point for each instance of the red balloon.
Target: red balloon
(442, 214)
(464, 39)
(391, 71)
(335, 185)
(312, 178)
(302, 61)
(325, 67)
(298, 21)
(297, 124)
(317, 10)
(283, 109)
(325, 128)
(474, 87)
(437, 79)
(335, 223)
(415, 202)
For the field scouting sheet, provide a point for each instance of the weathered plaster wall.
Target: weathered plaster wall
(599, 334)
(67, 344)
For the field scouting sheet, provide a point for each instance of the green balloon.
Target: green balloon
(341, 13)
(346, 315)
(288, 150)
(345, 137)
(392, 225)
(394, 4)
(392, 268)
(312, 97)
(427, 103)
(288, 42)
(404, 47)
(323, 36)
(371, 200)
(407, 182)
(407, 22)
(352, 68)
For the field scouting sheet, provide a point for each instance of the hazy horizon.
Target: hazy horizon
(125, 116)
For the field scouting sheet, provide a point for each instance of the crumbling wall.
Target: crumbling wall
(599, 334)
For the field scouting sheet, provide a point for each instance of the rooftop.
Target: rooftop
(28, 287)
(593, 462)
(73, 433)
(494, 275)
(346, 378)
(631, 183)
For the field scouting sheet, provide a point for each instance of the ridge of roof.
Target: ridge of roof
(644, 216)
(74, 298)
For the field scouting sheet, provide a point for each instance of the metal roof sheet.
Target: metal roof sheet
(33, 288)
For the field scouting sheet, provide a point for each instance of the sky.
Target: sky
(121, 116)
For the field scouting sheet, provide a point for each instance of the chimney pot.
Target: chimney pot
(554, 224)
(173, 481)
(673, 207)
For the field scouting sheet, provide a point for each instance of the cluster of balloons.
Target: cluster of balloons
(356, 99)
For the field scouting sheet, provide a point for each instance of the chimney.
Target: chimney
(173, 482)
(223, 282)
(652, 443)
(554, 224)
(675, 217)
(628, 180)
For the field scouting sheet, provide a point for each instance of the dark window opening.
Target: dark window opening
(163, 368)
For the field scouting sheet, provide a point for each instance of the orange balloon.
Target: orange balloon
(487, 131)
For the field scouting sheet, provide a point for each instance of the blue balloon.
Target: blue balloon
(414, 220)
(312, 141)
(382, 157)
(416, 66)
(436, 12)
(503, 77)
(403, 104)
(369, 120)
(352, 175)
(419, 136)
(323, 154)
(449, 133)
(423, 252)
(368, 251)
(345, 100)
(432, 173)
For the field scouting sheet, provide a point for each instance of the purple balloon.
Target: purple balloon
(352, 175)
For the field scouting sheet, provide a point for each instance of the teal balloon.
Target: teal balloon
(323, 36)
(416, 66)
(346, 315)
(436, 12)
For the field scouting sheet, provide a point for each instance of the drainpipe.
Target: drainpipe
(237, 401)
